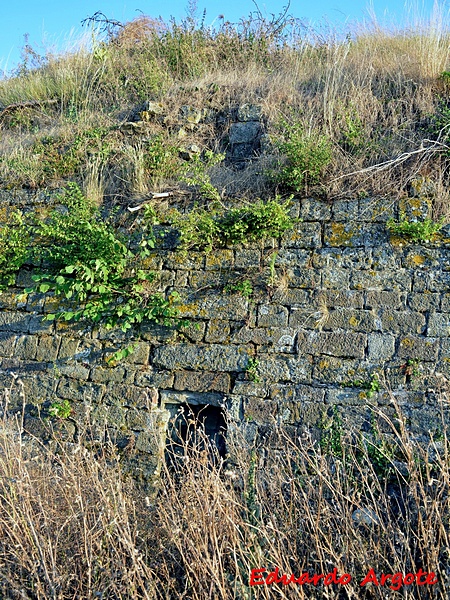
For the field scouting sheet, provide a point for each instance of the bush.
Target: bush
(91, 267)
(416, 231)
(14, 249)
(203, 230)
(307, 156)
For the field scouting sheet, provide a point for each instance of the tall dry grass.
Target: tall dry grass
(71, 526)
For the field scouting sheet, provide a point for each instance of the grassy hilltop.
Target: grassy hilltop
(361, 115)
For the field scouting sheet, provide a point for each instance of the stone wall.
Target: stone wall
(341, 302)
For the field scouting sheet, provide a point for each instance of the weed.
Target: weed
(372, 386)
(411, 369)
(60, 409)
(307, 157)
(195, 173)
(244, 288)
(251, 370)
(14, 248)
(272, 270)
(331, 437)
(380, 451)
(416, 231)
(204, 230)
(94, 271)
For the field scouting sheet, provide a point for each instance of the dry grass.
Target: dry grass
(72, 527)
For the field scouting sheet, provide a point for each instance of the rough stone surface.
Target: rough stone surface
(340, 303)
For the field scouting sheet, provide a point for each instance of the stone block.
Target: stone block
(335, 279)
(218, 331)
(345, 210)
(303, 235)
(402, 322)
(419, 348)
(247, 258)
(48, 347)
(194, 398)
(300, 369)
(14, 321)
(73, 370)
(249, 112)
(400, 280)
(38, 325)
(355, 397)
(306, 318)
(273, 368)
(421, 258)
(214, 307)
(377, 210)
(381, 347)
(68, 348)
(337, 298)
(261, 410)
(26, 347)
(73, 389)
(276, 339)
(7, 343)
(312, 209)
(139, 356)
(195, 331)
(351, 319)
(149, 377)
(431, 281)
(303, 278)
(244, 133)
(219, 259)
(214, 357)
(289, 257)
(394, 300)
(272, 316)
(202, 381)
(250, 388)
(342, 258)
(105, 374)
(353, 234)
(350, 345)
(386, 257)
(193, 260)
(207, 279)
(439, 324)
(332, 370)
(292, 297)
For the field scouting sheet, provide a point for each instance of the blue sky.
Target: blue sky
(50, 24)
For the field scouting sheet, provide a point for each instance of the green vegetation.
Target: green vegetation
(206, 230)
(416, 231)
(331, 434)
(372, 386)
(307, 156)
(60, 410)
(244, 288)
(93, 270)
(14, 249)
(251, 370)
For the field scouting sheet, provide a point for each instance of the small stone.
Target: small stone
(365, 516)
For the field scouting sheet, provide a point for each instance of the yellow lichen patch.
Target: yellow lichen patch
(324, 364)
(339, 235)
(416, 260)
(353, 321)
(406, 343)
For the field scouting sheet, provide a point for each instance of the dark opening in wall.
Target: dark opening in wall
(192, 427)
